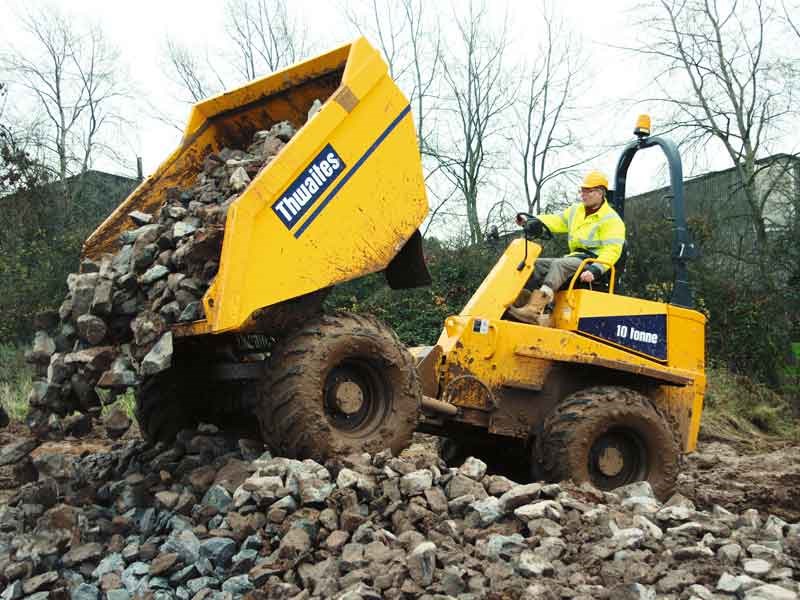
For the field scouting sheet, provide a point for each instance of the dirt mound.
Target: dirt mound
(768, 480)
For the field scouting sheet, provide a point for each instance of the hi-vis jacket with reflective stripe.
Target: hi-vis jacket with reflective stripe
(600, 235)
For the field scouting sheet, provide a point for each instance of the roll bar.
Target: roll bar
(683, 249)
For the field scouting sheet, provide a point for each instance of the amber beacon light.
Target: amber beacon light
(642, 126)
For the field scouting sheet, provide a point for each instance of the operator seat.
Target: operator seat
(603, 284)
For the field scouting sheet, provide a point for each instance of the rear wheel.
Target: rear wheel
(610, 436)
(453, 452)
(164, 406)
(342, 383)
(189, 393)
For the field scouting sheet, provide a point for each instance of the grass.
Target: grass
(126, 401)
(15, 381)
(741, 410)
(16, 378)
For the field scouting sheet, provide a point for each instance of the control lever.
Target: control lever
(522, 221)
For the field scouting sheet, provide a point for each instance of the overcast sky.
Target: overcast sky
(140, 29)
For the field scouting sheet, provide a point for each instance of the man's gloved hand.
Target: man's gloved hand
(592, 273)
(533, 226)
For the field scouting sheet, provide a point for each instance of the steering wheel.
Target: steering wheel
(533, 227)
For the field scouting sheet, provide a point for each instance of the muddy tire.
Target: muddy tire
(342, 383)
(161, 408)
(609, 436)
(453, 452)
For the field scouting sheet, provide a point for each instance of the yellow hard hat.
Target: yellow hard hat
(594, 179)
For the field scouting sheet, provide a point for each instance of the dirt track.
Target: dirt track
(768, 480)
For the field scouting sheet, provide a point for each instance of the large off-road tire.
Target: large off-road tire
(342, 383)
(609, 436)
(453, 452)
(181, 398)
(164, 406)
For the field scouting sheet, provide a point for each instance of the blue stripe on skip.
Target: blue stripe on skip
(352, 171)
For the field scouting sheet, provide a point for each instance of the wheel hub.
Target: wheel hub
(616, 458)
(610, 461)
(349, 397)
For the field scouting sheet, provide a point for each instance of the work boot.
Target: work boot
(530, 312)
(522, 298)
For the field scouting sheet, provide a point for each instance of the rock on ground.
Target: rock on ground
(216, 517)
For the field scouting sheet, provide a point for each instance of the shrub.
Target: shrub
(418, 315)
(741, 409)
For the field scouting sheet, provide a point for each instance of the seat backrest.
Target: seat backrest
(619, 270)
(603, 284)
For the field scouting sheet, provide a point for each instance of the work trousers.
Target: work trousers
(553, 272)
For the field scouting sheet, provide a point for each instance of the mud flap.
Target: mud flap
(426, 369)
(408, 268)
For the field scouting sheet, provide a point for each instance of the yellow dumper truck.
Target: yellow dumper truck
(591, 399)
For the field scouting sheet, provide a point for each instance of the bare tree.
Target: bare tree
(72, 80)
(546, 109)
(5, 130)
(191, 73)
(262, 37)
(480, 94)
(792, 20)
(409, 36)
(11, 156)
(382, 23)
(426, 59)
(724, 83)
(265, 36)
(725, 69)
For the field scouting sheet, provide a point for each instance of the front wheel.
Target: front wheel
(610, 436)
(341, 384)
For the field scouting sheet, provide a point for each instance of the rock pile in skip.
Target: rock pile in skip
(112, 329)
(213, 517)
